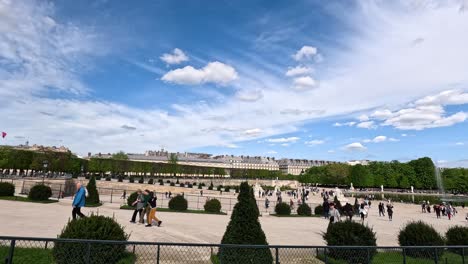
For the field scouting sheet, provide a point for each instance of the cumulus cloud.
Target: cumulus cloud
(283, 140)
(301, 112)
(379, 139)
(315, 142)
(177, 56)
(272, 152)
(382, 114)
(363, 118)
(338, 124)
(356, 146)
(304, 83)
(249, 95)
(252, 132)
(367, 124)
(305, 53)
(214, 72)
(460, 143)
(298, 70)
(450, 97)
(331, 151)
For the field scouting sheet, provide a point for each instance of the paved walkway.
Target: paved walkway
(47, 220)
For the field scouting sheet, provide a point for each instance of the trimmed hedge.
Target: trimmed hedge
(95, 228)
(350, 233)
(40, 192)
(456, 236)
(282, 209)
(150, 181)
(7, 189)
(213, 206)
(132, 198)
(178, 203)
(304, 209)
(318, 210)
(420, 234)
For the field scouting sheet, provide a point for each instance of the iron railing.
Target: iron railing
(52, 250)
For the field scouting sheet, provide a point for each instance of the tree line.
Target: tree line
(419, 173)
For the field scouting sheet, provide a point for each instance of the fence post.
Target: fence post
(463, 255)
(436, 258)
(9, 259)
(198, 200)
(368, 255)
(326, 255)
(157, 255)
(404, 256)
(277, 255)
(112, 192)
(88, 254)
(60, 192)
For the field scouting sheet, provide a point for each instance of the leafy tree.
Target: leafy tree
(244, 228)
(174, 166)
(360, 176)
(425, 172)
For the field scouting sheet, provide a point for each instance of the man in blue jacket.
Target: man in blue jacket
(79, 200)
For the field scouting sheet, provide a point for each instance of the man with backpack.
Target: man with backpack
(79, 200)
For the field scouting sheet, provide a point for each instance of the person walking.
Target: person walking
(449, 211)
(267, 203)
(326, 208)
(152, 213)
(79, 200)
(362, 212)
(390, 211)
(124, 195)
(139, 206)
(334, 214)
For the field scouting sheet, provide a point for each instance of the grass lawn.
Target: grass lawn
(44, 256)
(93, 205)
(126, 207)
(25, 199)
(397, 258)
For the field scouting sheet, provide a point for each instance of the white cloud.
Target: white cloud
(213, 72)
(404, 135)
(363, 118)
(367, 124)
(304, 83)
(460, 143)
(450, 97)
(315, 142)
(305, 53)
(251, 95)
(177, 56)
(298, 70)
(283, 140)
(379, 139)
(393, 139)
(424, 116)
(285, 145)
(252, 132)
(382, 114)
(331, 151)
(356, 146)
(272, 152)
(337, 124)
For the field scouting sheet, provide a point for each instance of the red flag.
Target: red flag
(4, 134)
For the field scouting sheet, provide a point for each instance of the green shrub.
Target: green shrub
(282, 209)
(178, 203)
(227, 189)
(304, 209)
(131, 179)
(132, 198)
(200, 186)
(93, 195)
(120, 178)
(7, 189)
(40, 192)
(350, 233)
(457, 236)
(182, 185)
(189, 185)
(177, 182)
(172, 184)
(161, 183)
(420, 234)
(213, 206)
(244, 228)
(203, 184)
(150, 181)
(219, 187)
(108, 178)
(168, 181)
(211, 186)
(95, 228)
(141, 180)
(318, 210)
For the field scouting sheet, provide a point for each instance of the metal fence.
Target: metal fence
(114, 195)
(45, 250)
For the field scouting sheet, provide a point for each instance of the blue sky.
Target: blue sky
(335, 80)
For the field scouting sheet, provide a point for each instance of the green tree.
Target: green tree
(244, 228)
(173, 162)
(120, 156)
(93, 194)
(425, 173)
(360, 176)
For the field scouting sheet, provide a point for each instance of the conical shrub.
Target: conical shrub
(93, 195)
(245, 229)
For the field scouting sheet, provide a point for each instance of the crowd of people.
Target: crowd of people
(145, 207)
(442, 209)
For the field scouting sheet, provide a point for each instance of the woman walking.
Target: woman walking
(390, 211)
(152, 213)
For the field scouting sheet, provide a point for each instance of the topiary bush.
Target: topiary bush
(211, 186)
(132, 198)
(200, 186)
(227, 189)
(93, 195)
(95, 228)
(141, 180)
(318, 210)
(189, 185)
(304, 209)
(219, 187)
(108, 178)
(244, 228)
(178, 203)
(282, 209)
(131, 179)
(420, 234)
(457, 236)
(150, 181)
(177, 182)
(120, 178)
(182, 185)
(350, 233)
(161, 183)
(7, 189)
(168, 181)
(172, 184)
(213, 206)
(40, 192)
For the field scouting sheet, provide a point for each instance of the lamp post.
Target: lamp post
(45, 164)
